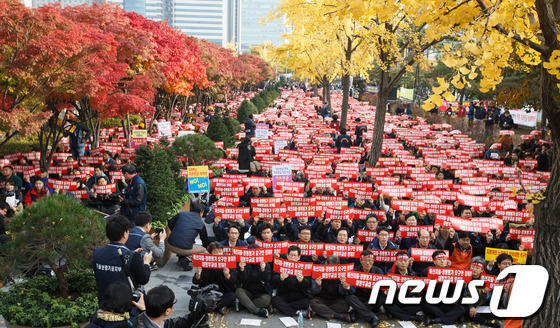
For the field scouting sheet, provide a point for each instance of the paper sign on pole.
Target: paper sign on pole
(261, 131)
(198, 179)
(139, 137)
(164, 129)
(279, 145)
(281, 173)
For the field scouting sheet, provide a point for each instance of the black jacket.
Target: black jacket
(253, 279)
(246, 155)
(143, 322)
(291, 288)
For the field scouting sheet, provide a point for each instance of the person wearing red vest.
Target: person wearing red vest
(462, 252)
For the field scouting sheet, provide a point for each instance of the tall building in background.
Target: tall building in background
(252, 33)
(63, 3)
(204, 19)
(218, 21)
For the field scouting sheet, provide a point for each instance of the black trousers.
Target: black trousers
(448, 313)
(362, 308)
(403, 311)
(326, 308)
(289, 307)
(227, 300)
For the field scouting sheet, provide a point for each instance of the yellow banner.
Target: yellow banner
(518, 256)
(140, 134)
(197, 171)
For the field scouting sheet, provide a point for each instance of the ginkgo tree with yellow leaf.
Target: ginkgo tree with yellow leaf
(304, 54)
(490, 33)
(323, 37)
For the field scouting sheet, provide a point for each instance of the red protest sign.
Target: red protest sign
(265, 201)
(115, 175)
(208, 261)
(236, 191)
(527, 241)
(514, 216)
(292, 268)
(360, 214)
(304, 211)
(395, 191)
(91, 159)
(344, 250)
(516, 233)
(257, 255)
(412, 231)
(257, 182)
(331, 271)
(269, 212)
(399, 279)
(439, 209)
(105, 189)
(280, 247)
(407, 205)
(62, 184)
(338, 214)
(423, 255)
(480, 189)
(454, 275)
(27, 174)
(323, 183)
(290, 186)
(80, 194)
(228, 201)
(363, 279)
(473, 200)
(362, 186)
(232, 213)
(310, 249)
(384, 255)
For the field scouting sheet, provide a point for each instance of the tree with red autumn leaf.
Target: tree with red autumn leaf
(39, 51)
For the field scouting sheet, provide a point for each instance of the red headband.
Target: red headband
(402, 257)
(480, 265)
(370, 256)
(439, 256)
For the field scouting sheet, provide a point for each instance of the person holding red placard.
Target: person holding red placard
(328, 296)
(438, 313)
(233, 238)
(424, 243)
(383, 242)
(39, 191)
(224, 278)
(291, 295)
(442, 234)
(462, 252)
(304, 236)
(255, 291)
(358, 298)
(488, 319)
(106, 203)
(397, 309)
(371, 225)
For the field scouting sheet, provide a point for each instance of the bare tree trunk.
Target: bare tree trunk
(379, 123)
(126, 129)
(345, 96)
(315, 90)
(546, 246)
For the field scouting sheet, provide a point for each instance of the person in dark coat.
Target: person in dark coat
(250, 126)
(226, 279)
(255, 292)
(328, 296)
(291, 296)
(159, 303)
(343, 140)
(246, 155)
(358, 298)
(506, 121)
(134, 200)
(115, 308)
(397, 309)
(438, 313)
(185, 227)
(77, 135)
